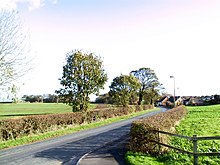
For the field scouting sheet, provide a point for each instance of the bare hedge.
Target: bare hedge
(142, 132)
(15, 128)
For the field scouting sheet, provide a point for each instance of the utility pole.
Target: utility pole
(173, 90)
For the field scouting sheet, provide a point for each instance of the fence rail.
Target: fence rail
(194, 140)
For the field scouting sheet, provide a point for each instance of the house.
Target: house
(196, 101)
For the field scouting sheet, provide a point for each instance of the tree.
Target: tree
(33, 98)
(148, 80)
(50, 98)
(83, 75)
(151, 95)
(13, 49)
(104, 99)
(123, 89)
(14, 91)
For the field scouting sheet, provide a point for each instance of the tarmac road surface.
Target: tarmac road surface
(70, 148)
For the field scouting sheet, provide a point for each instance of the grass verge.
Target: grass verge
(67, 130)
(141, 159)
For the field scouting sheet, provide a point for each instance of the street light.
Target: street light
(173, 89)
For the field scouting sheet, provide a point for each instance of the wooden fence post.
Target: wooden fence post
(195, 161)
(158, 140)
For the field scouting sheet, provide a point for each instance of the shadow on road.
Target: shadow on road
(73, 151)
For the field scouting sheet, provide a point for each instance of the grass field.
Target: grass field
(25, 109)
(202, 121)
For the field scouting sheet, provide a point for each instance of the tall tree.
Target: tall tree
(83, 74)
(13, 49)
(151, 95)
(147, 79)
(123, 89)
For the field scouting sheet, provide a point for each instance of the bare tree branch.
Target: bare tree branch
(14, 62)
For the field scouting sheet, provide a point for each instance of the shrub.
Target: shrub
(14, 128)
(142, 131)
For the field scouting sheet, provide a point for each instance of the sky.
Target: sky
(174, 38)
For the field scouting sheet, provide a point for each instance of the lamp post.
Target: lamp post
(173, 89)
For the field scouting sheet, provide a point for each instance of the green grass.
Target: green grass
(202, 121)
(65, 131)
(25, 109)
(141, 159)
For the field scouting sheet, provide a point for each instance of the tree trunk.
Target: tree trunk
(151, 101)
(140, 98)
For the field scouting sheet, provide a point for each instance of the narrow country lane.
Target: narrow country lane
(70, 148)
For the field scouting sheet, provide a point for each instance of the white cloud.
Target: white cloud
(8, 5)
(35, 4)
(54, 1)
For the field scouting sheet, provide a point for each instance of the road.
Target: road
(70, 148)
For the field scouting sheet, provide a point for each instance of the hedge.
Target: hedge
(15, 128)
(142, 130)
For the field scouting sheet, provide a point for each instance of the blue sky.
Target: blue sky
(179, 38)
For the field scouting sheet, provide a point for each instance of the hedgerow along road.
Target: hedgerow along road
(70, 148)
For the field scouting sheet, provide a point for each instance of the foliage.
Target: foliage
(142, 130)
(83, 75)
(216, 100)
(151, 95)
(65, 130)
(49, 98)
(104, 99)
(149, 84)
(15, 128)
(33, 98)
(123, 90)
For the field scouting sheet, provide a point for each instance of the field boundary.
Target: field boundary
(194, 139)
